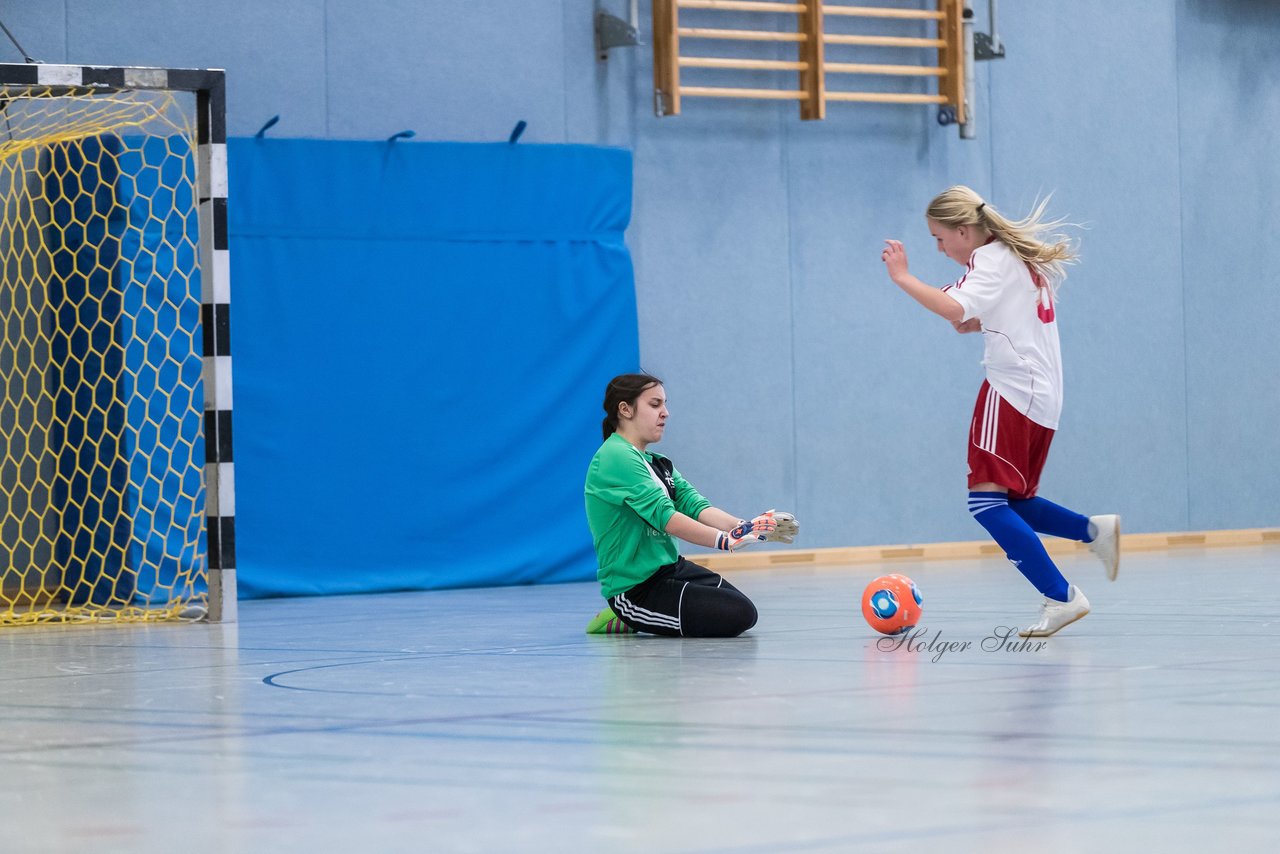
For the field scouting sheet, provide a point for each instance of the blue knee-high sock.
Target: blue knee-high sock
(1020, 543)
(1045, 517)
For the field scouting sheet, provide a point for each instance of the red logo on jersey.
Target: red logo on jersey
(1044, 305)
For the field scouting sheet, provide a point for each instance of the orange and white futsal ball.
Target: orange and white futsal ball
(891, 604)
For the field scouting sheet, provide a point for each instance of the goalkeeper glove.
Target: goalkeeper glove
(727, 542)
(785, 527)
(745, 533)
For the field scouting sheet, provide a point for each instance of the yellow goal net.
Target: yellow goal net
(105, 354)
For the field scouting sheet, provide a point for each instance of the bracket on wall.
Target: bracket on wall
(611, 32)
(987, 45)
(986, 48)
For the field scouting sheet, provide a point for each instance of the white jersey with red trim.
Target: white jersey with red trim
(1015, 305)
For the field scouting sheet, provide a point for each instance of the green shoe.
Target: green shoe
(607, 623)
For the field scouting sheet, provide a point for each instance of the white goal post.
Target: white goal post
(117, 489)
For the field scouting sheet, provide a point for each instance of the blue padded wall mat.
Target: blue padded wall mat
(422, 333)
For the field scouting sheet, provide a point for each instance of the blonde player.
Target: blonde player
(1007, 294)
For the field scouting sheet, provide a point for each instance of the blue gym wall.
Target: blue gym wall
(799, 377)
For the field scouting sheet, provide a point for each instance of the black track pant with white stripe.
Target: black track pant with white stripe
(683, 599)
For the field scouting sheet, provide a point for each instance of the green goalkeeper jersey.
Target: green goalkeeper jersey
(628, 507)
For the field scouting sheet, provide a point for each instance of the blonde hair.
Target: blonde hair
(1033, 239)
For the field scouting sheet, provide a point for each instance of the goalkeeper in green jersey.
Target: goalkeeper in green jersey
(638, 505)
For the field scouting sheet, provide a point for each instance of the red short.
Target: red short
(1005, 446)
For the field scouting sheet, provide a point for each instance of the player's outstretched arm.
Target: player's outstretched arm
(936, 300)
(774, 526)
(718, 519)
(740, 535)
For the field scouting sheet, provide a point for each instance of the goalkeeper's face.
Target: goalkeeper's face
(643, 422)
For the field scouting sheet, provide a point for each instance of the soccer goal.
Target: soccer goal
(116, 479)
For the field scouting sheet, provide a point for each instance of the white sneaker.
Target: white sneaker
(1054, 614)
(1106, 542)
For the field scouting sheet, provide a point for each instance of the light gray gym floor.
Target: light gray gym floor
(484, 720)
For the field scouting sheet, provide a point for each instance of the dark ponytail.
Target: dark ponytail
(625, 388)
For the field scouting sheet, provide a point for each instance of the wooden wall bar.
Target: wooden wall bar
(812, 35)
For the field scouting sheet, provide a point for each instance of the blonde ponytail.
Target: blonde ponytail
(1033, 238)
